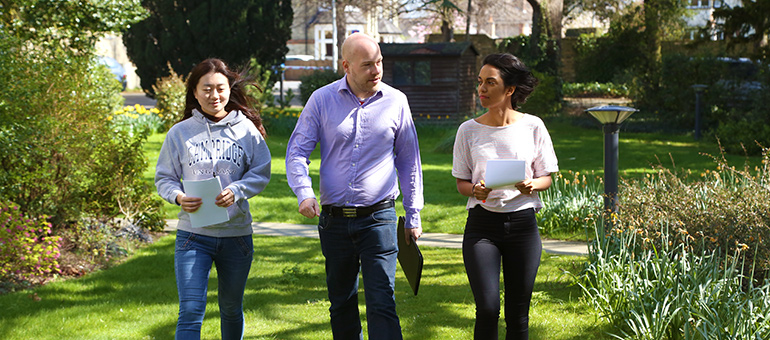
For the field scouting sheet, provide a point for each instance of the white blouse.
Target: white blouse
(527, 139)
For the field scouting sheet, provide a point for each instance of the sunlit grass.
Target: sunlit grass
(285, 299)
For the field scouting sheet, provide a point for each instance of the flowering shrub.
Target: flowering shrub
(138, 120)
(280, 120)
(27, 248)
(724, 208)
(604, 90)
(686, 258)
(169, 97)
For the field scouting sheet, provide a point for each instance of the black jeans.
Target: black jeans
(513, 239)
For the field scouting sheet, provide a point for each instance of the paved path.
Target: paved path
(138, 98)
(428, 239)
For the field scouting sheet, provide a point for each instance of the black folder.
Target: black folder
(410, 258)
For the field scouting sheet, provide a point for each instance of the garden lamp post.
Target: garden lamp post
(611, 116)
(699, 88)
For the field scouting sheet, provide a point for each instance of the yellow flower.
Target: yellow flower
(109, 117)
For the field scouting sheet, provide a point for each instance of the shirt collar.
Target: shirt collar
(343, 86)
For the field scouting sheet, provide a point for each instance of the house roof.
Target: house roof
(388, 27)
(438, 49)
(325, 17)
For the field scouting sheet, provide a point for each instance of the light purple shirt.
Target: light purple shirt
(366, 149)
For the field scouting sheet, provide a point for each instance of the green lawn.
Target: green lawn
(285, 299)
(578, 149)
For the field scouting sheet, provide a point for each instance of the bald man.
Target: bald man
(368, 147)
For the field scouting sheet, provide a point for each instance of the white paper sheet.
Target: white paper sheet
(209, 213)
(503, 172)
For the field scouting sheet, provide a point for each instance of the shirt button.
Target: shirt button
(354, 164)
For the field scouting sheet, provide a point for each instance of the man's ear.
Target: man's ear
(345, 65)
(509, 91)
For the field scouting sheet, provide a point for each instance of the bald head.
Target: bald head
(357, 43)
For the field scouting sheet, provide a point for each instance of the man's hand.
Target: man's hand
(412, 233)
(189, 204)
(309, 208)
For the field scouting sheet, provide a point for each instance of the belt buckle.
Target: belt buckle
(349, 212)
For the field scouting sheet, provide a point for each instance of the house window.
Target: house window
(411, 73)
(698, 4)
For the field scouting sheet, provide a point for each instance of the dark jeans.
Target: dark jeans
(512, 238)
(366, 244)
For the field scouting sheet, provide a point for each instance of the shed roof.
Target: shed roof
(426, 49)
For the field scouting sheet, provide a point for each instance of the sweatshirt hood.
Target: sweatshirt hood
(233, 117)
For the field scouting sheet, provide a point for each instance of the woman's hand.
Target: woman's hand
(225, 199)
(526, 186)
(189, 204)
(480, 191)
(529, 186)
(476, 190)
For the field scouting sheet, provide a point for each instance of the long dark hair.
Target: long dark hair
(514, 73)
(239, 99)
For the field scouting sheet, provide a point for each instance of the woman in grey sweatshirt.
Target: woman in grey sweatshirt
(220, 136)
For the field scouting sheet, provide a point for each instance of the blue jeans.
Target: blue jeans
(193, 258)
(369, 245)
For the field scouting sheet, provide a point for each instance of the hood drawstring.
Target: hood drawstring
(211, 153)
(214, 157)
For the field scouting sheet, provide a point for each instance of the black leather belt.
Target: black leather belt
(352, 212)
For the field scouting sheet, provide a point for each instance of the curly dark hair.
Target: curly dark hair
(514, 73)
(239, 99)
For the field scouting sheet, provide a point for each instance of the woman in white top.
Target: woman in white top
(501, 225)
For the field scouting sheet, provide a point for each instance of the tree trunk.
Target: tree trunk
(653, 50)
(468, 21)
(447, 33)
(537, 23)
(341, 26)
(546, 24)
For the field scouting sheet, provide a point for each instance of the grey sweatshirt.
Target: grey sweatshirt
(232, 149)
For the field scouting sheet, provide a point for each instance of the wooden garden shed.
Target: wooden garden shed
(439, 79)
